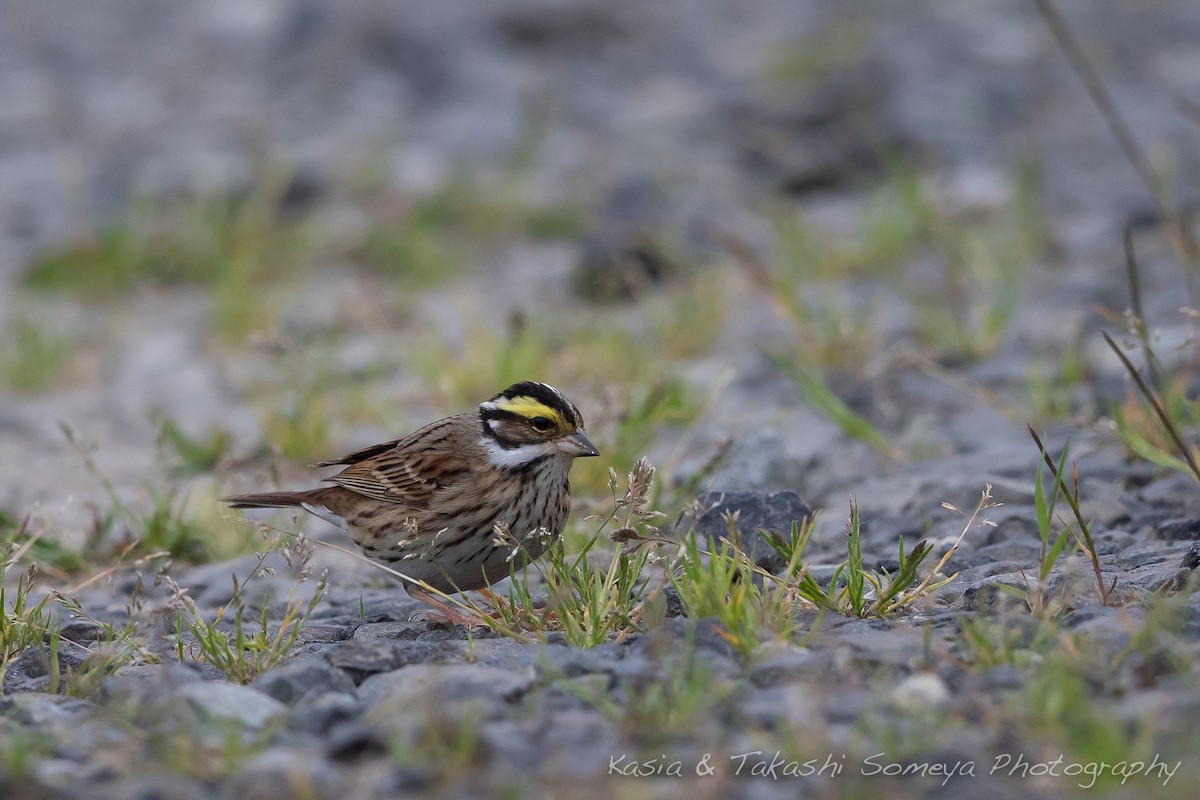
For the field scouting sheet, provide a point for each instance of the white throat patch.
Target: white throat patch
(516, 457)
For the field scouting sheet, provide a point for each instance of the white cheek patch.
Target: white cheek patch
(325, 514)
(515, 457)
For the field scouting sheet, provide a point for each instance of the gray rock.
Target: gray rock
(1143, 554)
(61, 774)
(581, 743)
(1004, 676)
(920, 690)
(39, 710)
(1012, 523)
(283, 772)
(1113, 542)
(355, 740)
(570, 662)
(1191, 559)
(290, 682)
(325, 634)
(409, 630)
(1179, 529)
(30, 671)
(152, 787)
(778, 706)
(1173, 491)
(320, 713)
(1025, 551)
(756, 511)
(774, 665)
(890, 527)
(154, 683)
(761, 461)
(361, 659)
(367, 605)
(416, 685)
(703, 634)
(1167, 577)
(227, 702)
(985, 594)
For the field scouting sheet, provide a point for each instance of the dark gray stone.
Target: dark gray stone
(355, 741)
(1187, 529)
(361, 659)
(324, 634)
(704, 635)
(290, 682)
(319, 713)
(756, 511)
(1191, 559)
(403, 629)
(1143, 554)
(783, 665)
(1004, 676)
(30, 671)
(571, 662)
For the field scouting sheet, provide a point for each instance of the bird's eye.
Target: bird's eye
(541, 424)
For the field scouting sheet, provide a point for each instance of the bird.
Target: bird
(451, 504)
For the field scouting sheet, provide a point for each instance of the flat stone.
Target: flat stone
(40, 710)
(361, 659)
(773, 664)
(415, 685)
(228, 702)
(1143, 554)
(774, 706)
(153, 683)
(321, 634)
(295, 679)
(410, 630)
(571, 662)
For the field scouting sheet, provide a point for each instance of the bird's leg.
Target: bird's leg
(442, 612)
(496, 600)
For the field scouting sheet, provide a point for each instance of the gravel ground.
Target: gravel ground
(689, 120)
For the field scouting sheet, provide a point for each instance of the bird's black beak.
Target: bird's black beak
(578, 445)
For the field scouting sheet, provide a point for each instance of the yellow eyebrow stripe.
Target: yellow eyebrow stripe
(529, 408)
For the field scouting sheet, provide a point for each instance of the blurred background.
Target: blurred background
(237, 236)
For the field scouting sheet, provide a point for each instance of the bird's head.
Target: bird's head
(530, 421)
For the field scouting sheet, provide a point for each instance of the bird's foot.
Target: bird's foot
(441, 613)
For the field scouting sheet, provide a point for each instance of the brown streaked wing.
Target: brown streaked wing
(435, 435)
(360, 455)
(409, 478)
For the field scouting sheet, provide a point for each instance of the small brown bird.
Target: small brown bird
(449, 504)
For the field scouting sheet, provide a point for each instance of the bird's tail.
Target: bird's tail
(269, 500)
